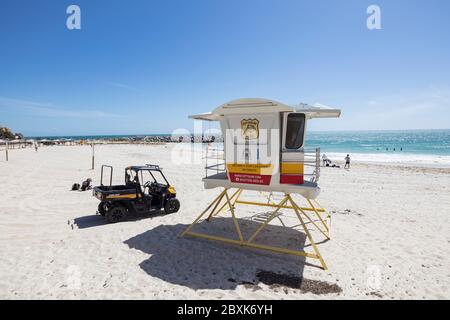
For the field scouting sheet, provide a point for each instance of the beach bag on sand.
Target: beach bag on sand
(86, 185)
(75, 187)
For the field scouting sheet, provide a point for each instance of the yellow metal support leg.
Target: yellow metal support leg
(236, 223)
(320, 208)
(308, 234)
(318, 215)
(325, 233)
(271, 217)
(216, 205)
(236, 194)
(219, 197)
(262, 204)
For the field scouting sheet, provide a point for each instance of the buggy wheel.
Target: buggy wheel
(115, 214)
(172, 205)
(102, 208)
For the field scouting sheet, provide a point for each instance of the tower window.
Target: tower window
(295, 130)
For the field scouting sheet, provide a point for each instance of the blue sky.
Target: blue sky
(140, 67)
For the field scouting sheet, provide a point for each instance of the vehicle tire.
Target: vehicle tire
(172, 205)
(115, 214)
(102, 208)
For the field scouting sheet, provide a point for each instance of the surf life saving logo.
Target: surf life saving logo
(250, 173)
(250, 129)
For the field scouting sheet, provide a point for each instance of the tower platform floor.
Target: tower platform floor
(309, 190)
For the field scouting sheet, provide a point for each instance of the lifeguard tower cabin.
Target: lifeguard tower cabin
(264, 150)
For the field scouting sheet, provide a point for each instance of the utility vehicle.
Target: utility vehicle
(146, 189)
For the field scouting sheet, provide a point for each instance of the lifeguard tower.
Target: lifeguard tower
(263, 150)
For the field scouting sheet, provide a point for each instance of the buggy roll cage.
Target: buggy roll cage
(155, 167)
(110, 177)
(136, 169)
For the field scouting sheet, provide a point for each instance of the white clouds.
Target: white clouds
(426, 109)
(34, 108)
(415, 103)
(122, 86)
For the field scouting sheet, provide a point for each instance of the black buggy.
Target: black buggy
(146, 189)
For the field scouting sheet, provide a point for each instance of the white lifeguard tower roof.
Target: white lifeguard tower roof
(257, 105)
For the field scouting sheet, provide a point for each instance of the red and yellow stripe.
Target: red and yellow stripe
(292, 173)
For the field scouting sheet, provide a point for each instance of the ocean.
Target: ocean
(428, 147)
(424, 142)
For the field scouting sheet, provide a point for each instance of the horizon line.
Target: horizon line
(169, 134)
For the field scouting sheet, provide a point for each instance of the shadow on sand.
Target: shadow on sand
(205, 264)
(97, 220)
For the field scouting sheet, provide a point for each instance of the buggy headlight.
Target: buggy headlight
(172, 190)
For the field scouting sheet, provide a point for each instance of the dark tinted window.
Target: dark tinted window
(295, 130)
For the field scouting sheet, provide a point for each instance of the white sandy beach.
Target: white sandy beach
(390, 235)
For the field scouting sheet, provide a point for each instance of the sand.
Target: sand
(390, 235)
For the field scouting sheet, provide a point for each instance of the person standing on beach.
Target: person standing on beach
(347, 162)
(325, 159)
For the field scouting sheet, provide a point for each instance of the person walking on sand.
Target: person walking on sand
(347, 162)
(325, 160)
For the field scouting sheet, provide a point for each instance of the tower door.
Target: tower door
(292, 141)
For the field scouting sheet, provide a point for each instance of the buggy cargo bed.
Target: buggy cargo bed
(115, 192)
